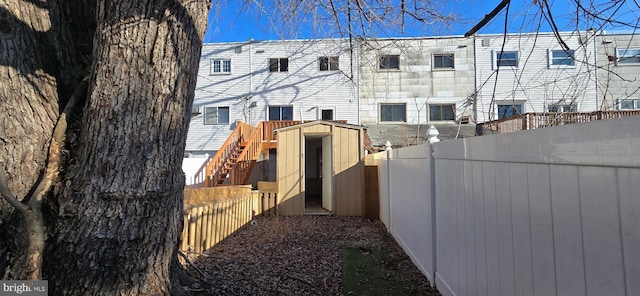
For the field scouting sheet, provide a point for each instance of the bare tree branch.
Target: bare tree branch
(6, 192)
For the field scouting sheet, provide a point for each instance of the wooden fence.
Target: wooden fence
(213, 214)
(528, 121)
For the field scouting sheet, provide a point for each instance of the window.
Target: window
(389, 62)
(280, 112)
(628, 56)
(629, 104)
(393, 112)
(442, 112)
(328, 63)
(509, 110)
(279, 65)
(326, 114)
(219, 66)
(561, 58)
(443, 61)
(507, 59)
(562, 108)
(216, 115)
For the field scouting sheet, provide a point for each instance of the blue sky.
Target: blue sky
(237, 20)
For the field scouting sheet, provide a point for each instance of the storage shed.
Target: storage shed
(320, 169)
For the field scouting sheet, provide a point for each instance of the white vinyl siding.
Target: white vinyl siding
(250, 88)
(534, 84)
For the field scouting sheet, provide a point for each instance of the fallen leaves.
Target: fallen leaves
(294, 256)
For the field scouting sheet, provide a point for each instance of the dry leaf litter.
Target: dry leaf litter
(293, 256)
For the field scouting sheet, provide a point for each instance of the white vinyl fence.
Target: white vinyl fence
(553, 211)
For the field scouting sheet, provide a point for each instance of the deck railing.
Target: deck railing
(216, 169)
(269, 127)
(529, 121)
(246, 160)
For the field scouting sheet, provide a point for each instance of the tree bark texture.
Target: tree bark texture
(121, 209)
(29, 107)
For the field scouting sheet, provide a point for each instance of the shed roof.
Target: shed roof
(315, 122)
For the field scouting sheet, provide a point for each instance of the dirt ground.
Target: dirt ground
(295, 256)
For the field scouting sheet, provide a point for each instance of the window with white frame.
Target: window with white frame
(443, 61)
(280, 113)
(220, 66)
(562, 107)
(393, 112)
(441, 112)
(279, 65)
(629, 104)
(508, 110)
(216, 115)
(329, 63)
(506, 59)
(389, 62)
(561, 58)
(628, 56)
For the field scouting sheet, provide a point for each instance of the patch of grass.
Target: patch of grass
(374, 272)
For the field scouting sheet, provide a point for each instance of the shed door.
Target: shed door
(327, 173)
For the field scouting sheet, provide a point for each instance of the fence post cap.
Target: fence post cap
(432, 135)
(388, 145)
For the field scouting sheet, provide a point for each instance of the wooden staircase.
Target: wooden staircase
(226, 172)
(233, 163)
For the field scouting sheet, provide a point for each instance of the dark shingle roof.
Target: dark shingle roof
(401, 135)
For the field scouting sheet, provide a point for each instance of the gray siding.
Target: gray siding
(416, 84)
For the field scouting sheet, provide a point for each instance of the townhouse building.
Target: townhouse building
(618, 64)
(392, 84)
(534, 72)
(416, 80)
(271, 80)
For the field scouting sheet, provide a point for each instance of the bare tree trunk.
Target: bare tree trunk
(29, 107)
(121, 213)
(115, 218)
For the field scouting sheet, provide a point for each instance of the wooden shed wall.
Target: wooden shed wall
(348, 169)
(289, 173)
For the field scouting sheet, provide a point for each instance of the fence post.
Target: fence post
(432, 136)
(388, 149)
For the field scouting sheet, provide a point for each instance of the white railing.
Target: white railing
(545, 212)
